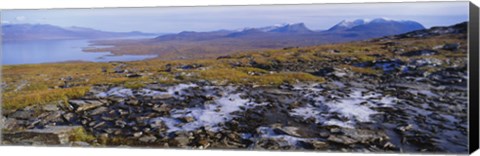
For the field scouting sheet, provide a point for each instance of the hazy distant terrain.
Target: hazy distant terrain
(189, 44)
(19, 32)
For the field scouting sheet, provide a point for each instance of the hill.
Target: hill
(17, 32)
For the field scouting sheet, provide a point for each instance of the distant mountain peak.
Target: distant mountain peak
(376, 22)
(292, 28)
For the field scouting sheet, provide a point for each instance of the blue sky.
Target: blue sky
(176, 19)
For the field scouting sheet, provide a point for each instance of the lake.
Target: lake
(51, 51)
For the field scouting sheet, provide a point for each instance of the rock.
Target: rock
(119, 68)
(364, 135)
(404, 128)
(69, 117)
(148, 139)
(224, 57)
(168, 68)
(99, 110)
(187, 119)
(292, 131)
(80, 143)
(8, 123)
(342, 139)
(335, 130)
(424, 52)
(22, 114)
(120, 123)
(156, 123)
(103, 138)
(451, 46)
(132, 102)
(314, 144)
(278, 92)
(53, 117)
(333, 51)
(50, 107)
(83, 105)
(324, 134)
(134, 75)
(162, 109)
(182, 140)
(324, 71)
(389, 145)
(162, 96)
(54, 135)
(100, 124)
(137, 134)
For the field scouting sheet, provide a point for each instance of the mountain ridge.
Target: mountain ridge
(18, 32)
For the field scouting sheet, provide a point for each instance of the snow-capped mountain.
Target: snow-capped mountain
(378, 24)
(285, 27)
(347, 24)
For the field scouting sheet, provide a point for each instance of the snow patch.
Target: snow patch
(356, 107)
(116, 92)
(210, 115)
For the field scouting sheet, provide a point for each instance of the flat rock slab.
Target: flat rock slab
(83, 105)
(55, 135)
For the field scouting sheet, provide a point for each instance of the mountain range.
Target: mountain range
(190, 44)
(15, 32)
(343, 31)
(220, 41)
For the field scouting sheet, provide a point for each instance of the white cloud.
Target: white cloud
(5, 22)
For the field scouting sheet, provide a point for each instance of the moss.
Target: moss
(365, 58)
(134, 85)
(79, 134)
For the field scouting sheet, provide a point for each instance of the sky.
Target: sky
(177, 19)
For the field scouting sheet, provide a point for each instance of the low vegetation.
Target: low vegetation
(26, 85)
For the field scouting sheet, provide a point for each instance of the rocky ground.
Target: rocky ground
(405, 109)
(361, 115)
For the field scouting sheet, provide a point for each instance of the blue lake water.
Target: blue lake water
(51, 51)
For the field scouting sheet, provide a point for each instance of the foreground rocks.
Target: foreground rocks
(54, 135)
(340, 115)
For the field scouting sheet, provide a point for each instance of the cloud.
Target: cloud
(20, 18)
(5, 22)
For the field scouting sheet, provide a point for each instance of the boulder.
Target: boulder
(148, 139)
(133, 75)
(99, 110)
(22, 114)
(50, 107)
(451, 46)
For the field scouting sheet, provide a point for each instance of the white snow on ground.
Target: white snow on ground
(267, 132)
(125, 92)
(210, 115)
(356, 107)
(116, 92)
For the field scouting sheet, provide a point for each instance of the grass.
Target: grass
(79, 134)
(241, 76)
(40, 97)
